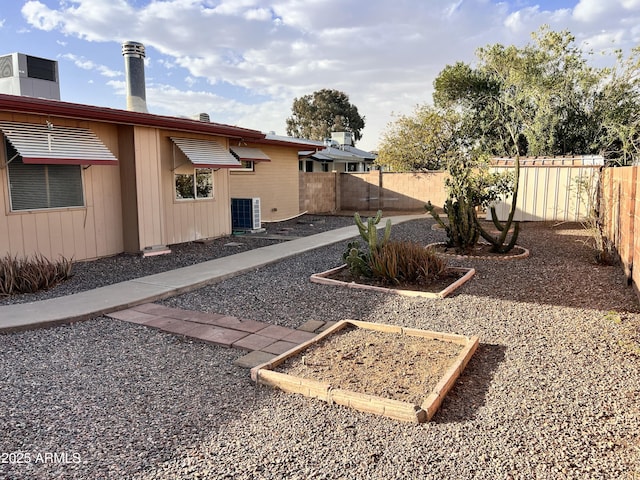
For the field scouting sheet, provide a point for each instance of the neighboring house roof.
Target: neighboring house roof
(318, 150)
(41, 106)
(344, 153)
(569, 160)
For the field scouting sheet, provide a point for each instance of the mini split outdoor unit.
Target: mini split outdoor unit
(245, 214)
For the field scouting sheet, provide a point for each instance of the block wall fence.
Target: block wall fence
(332, 192)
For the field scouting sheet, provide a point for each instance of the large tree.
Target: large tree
(425, 140)
(317, 115)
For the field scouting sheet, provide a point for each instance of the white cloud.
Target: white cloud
(85, 64)
(384, 55)
(2, 22)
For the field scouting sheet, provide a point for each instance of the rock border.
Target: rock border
(404, 411)
(322, 278)
(524, 254)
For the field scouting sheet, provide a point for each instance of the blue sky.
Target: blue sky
(244, 61)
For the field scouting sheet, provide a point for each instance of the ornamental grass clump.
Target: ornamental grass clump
(406, 263)
(390, 262)
(31, 274)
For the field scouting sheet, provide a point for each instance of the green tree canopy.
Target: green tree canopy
(317, 115)
(425, 140)
(541, 99)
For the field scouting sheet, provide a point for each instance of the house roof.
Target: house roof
(42, 106)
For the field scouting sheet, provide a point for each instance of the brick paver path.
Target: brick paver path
(263, 340)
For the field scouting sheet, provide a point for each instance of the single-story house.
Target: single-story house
(268, 174)
(336, 154)
(85, 181)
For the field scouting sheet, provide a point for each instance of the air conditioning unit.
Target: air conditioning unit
(245, 214)
(29, 76)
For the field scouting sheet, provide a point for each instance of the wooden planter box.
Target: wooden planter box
(399, 410)
(323, 278)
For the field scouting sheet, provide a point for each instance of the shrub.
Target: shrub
(406, 263)
(29, 275)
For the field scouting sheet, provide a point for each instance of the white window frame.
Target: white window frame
(196, 192)
(247, 166)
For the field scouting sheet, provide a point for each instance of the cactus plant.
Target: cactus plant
(462, 230)
(369, 232)
(358, 260)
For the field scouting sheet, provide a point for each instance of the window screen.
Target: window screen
(33, 187)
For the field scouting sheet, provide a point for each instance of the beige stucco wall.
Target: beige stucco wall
(94, 230)
(274, 182)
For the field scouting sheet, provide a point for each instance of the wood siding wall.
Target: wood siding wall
(273, 182)
(79, 233)
(189, 220)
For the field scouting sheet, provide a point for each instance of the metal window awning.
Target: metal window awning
(206, 153)
(54, 144)
(249, 154)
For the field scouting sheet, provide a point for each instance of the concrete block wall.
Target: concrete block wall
(331, 192)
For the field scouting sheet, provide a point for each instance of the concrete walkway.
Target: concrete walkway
(93, 303)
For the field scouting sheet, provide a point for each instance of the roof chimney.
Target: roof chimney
(133, 53)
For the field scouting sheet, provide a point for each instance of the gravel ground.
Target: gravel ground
(92, 274)
(553, 391)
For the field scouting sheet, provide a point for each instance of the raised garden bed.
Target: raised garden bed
(454, 278)
(402, 373)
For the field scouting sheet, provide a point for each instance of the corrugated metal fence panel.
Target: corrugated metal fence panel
(550, 193)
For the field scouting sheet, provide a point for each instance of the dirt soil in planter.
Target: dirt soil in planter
(437, 285)
(388, 365)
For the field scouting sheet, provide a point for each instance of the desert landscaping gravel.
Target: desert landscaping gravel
(553, 391)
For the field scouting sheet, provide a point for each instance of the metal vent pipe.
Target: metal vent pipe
(133, 53)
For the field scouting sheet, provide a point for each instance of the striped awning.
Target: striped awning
(249, 154)
(54, 144)
(206, 153)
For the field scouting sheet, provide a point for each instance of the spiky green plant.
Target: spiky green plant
(358, 257)
(406, 263)
(31, 274)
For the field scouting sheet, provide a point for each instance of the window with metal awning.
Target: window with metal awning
(206, 153)
(49, 144)
(249, 154)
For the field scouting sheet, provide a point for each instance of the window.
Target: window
(247, 166)
(196, 185)
(352, 167)
(325, 167)
(33, 186)
(308, 166)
